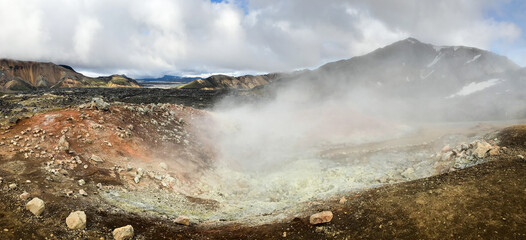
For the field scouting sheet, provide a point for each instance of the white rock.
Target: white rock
(82, 192)
(81, 182)
(76, 220)
(12, 186)
(481, 149)
(163, 165)
(321, 217)
(36, 206)
(123, 233)
(183, 220)
(96, 158)
(63, 144)
(24, 196)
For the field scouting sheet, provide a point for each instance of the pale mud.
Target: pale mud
(227, 194)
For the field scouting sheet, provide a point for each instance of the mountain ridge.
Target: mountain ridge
(16, 75)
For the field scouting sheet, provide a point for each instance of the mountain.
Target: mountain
(26, 75)
(166, 81)
(218, 82)
(169, 78)
(406, 78)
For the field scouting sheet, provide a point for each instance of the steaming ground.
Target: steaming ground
(272, 167)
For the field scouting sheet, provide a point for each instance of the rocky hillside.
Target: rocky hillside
(219, 82)
(25, 75)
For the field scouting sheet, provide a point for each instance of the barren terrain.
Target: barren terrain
(147, 164)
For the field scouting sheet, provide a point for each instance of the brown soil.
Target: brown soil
(486, 201)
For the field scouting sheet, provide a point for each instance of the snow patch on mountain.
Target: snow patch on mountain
(427, 75)
(437, 58)
(474, 59)
(476, 87)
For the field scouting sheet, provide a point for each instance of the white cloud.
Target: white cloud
(150, 37)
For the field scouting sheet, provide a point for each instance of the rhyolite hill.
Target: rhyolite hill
(27, 75)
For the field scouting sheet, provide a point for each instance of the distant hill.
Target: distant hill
(165, 81)
(169, 78)
(221, 82)
(26, 75)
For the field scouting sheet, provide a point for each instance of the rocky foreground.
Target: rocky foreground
(60, 166)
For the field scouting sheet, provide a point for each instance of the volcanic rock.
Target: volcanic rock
(82, 192)
(63, 144)
(321, 217)
(24, 196)
(96, 158)
(494, 151)
(100, 104)
(76, 220)
(36, 206)
(183, 220)
(163, 165)
(123, 233)
(481, 149)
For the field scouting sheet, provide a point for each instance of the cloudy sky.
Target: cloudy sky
(189, 37)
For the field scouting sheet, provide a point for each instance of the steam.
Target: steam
(296, 123)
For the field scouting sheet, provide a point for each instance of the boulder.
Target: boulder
(36, 206)
(123, 233)
(100, 104)
(63, 144)
(76, 220)
(321, 217)
(183, 220)
(494, 151)
(481, 149)
(96, 158)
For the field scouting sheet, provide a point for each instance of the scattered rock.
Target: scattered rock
(138, 175)
(343, 200)
(81, 182)
(520, 157)
(96, 158)
(76, 220)
(12, 186)
(82, 192)
(494, 151)
(481, 148)
(123, 233)
(163, 165)
(321, 217)
(63, 144)
(36, 206)
(24, 196)
(446, 149)
(183, 220)
(100, 104)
